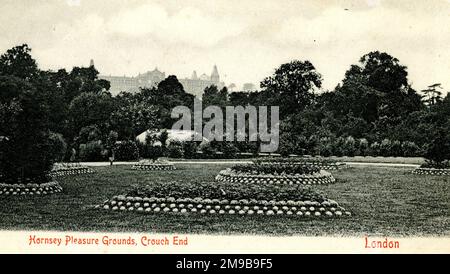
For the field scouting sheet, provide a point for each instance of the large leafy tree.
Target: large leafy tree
(25, 152)
(292, 86)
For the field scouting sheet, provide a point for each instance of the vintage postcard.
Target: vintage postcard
(225, 126)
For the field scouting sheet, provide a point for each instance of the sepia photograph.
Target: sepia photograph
(253, 126)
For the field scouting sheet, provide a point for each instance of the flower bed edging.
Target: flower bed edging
(153, 167)
(431, 171)
(322, 177)
(30, 189)
(70, 171)
(328, 208)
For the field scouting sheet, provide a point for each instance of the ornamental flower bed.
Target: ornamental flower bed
(431, 171)
(153, 165)
(68, 169)
(225, 198)
(30, 189)
(324, 164)
(282, 173)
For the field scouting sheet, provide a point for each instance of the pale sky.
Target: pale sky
(246, 39)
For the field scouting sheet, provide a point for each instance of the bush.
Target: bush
(189, 149)
(363, 147)
(396, 149)
(349, 147)
(58, 147)
(375, 149)
(410, 149)
(92, 151)
(126, 151)
(325, 147)
(175, 150)
(385, 147)
(338, 146)
(438, 150)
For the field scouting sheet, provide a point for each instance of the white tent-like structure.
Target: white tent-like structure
(173, 135)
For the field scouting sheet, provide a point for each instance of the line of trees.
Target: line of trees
(71, 114)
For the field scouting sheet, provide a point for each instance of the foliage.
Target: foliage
(291, 86)
(58, 147)
(228, 190)
(126, 151)
(438, 150)
(175, 150)
(25, 150)
(275, 168)
(92, 151)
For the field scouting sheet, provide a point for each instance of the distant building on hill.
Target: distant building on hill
(132, 84)
(194, 85)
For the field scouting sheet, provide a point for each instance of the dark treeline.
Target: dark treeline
(374, 111)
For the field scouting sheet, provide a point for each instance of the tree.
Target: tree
(213, 97)
(18, 62)
(292, 85)
(25, 151)
(90, 109)
(380, 71)
(433, 94)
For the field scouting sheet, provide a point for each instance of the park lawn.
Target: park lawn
(383, 201)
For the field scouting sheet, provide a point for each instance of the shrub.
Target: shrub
(325, 147)
(92, 151)
(126, 151)
(175, 150)
(338, 146)
(58, 147)
(375, 149)
(349, 147)
(363, 147)
(396, 149)
(385, 147)
(189, 149)
(410, 149)
(438, 150)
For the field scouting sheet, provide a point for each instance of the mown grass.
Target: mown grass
(383, 201)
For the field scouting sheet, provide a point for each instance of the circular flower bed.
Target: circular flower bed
(324, 164)
(229, 198)
(66, 169)
(431, 171)
(153, 165)
(30, 189)
(275, 174)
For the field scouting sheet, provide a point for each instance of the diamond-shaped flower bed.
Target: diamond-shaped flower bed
(275, 174)
(153, 165)
(225, 198)
(30, 189)
(69, 169)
